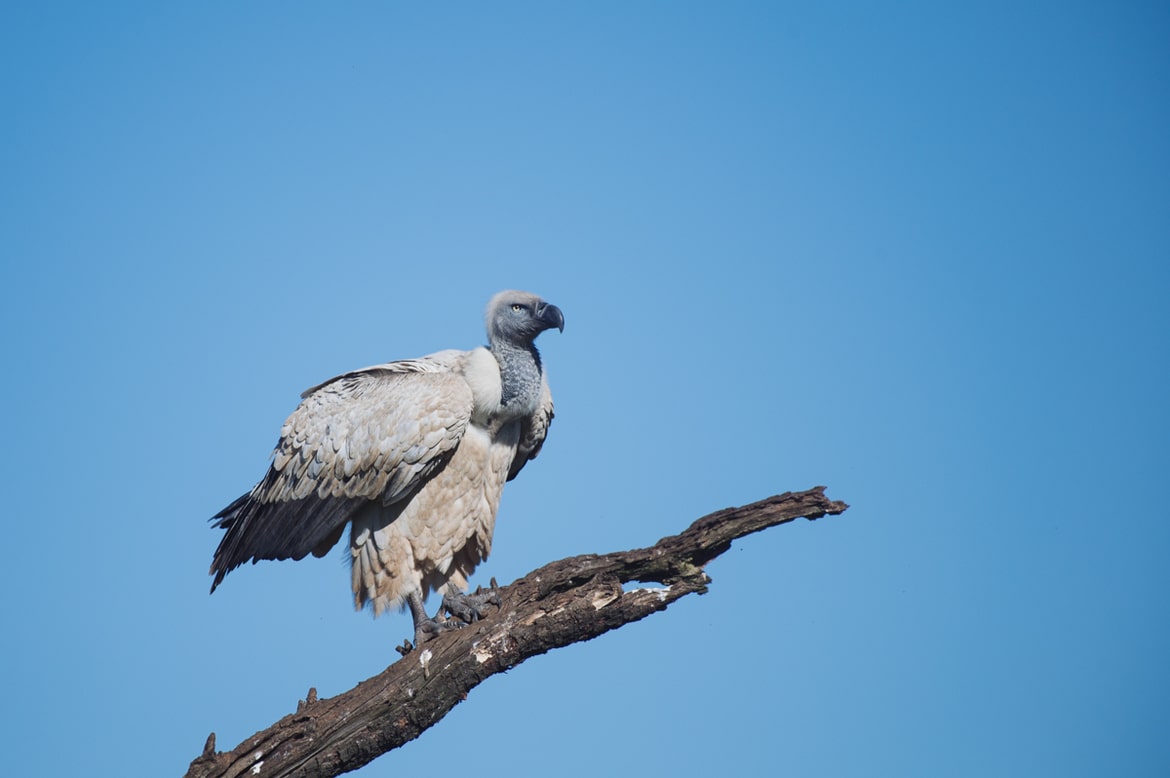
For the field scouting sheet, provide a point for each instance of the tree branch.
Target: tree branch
(564, 602)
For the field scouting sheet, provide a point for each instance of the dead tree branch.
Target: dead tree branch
(564, 602)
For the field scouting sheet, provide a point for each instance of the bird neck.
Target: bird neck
(520, 376)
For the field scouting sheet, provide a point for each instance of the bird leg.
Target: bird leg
(425, 627)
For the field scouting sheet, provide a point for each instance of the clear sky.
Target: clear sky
(919, 253)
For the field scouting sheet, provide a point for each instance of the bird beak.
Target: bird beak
(551, 316)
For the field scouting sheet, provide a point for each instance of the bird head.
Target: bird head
(518, 317)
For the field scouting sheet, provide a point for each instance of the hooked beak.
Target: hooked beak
(551, 316)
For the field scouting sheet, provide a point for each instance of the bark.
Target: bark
(564, 602)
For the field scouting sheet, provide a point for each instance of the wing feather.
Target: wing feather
(533, 431)
(372, 434)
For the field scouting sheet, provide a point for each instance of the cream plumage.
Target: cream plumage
(412, 456)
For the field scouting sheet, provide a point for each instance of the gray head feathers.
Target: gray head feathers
(515, 318)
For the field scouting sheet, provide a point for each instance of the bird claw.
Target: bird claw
(462, 608)
(428, 630)
(470, 608)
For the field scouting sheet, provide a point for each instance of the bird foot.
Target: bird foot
(470, 608)
(424, 631)
(463, 608)
(428, 629)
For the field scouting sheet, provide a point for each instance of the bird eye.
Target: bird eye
(517, 307)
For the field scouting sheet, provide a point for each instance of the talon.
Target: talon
(462, 609)
(471, 607)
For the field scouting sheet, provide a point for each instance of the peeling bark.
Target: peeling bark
(564, 602)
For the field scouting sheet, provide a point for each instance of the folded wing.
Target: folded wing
(533, 430)
(373, 434)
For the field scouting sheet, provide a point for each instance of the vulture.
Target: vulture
(412, 456)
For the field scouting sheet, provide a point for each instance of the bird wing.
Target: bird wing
(533, 430)
(372, 434)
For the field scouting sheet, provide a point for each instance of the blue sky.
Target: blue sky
(918, 254)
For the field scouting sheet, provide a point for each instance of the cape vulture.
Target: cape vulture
(413, 456)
